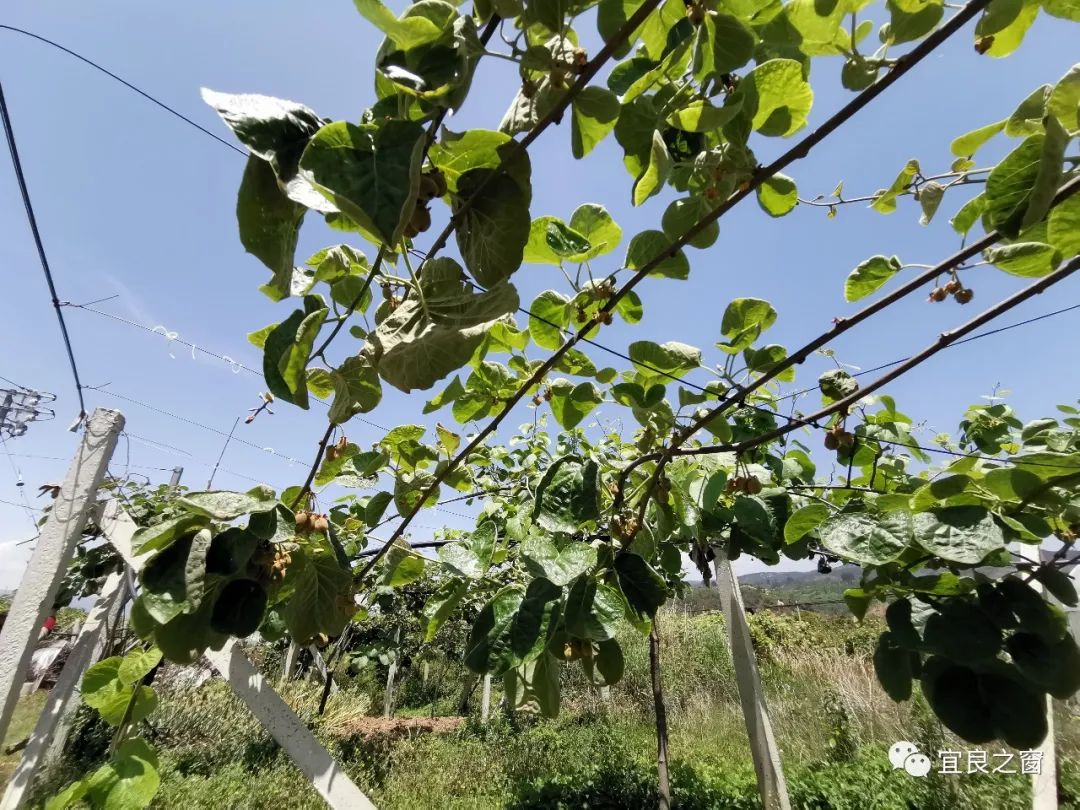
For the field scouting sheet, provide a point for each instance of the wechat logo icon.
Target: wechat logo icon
(906, 755)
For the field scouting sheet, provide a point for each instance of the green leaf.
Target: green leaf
(763, 360)
(563, 240)
(441, 605)
(548, 315)
(542, 558)
(647, 246)
(804, 520)
(962, 632)
(407, 33)
(276, 351)
(239, 608)
(137, 664)
(866, 538)
(954, 695)
(269, 224)
(1027, 118)
(414, 352)
(356, 389)
(892, 665)
(567, 495)
(969, 213)
(1065, 9)
(959, 534)
(592, 610)
(701, 116)
(376, 507)
(724, 45)
(494, 229)
(681, 215)
(837, 384)
(401, 566)
(775, 97)
(370, 173)
(778, 195)
(645, 590)
(743, 322)
(322, 592)
(1058, 583)
(913, 19)
(1007, 21)
(593, 115)
(1064, 101)
(930, 196)
(656, 172)
(1053, 666)
(134, 780)
(596, 225)
(1019, 189)
(870, 275)
(457, 154)
(1018, 711)
(1063, 228)
(161, 536)
(662, 361)
(968, 144)
(885, 201)
(1025, 259)
(535, 621)
(571, 403)
(221, 505)
(489, 648)
(195, 569)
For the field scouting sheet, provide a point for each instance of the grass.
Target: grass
(23, 721)
(832, 722)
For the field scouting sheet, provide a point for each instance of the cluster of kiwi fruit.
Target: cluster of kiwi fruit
(954, 288)
(745, 484)
(838, 437)
(271, 562)
(307, 522)
(432, 185)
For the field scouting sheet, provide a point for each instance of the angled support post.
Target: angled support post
(309, 755)
(52, 554)
(55, 720)
(770, 777)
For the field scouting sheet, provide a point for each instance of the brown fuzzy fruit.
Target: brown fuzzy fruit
(439, 179)
(428, 188)
(831, 442)
(963, 295)
(421, 218)
(753, 485)
(304, 521)
(938, 294)
(845, 438)
(953, 286)
(320, 523)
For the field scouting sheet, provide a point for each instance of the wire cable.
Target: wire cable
(21, 178)
(126, 83)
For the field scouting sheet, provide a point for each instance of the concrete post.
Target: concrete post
(52, 554)
(766, 755)
(52, 726)
(485, 699)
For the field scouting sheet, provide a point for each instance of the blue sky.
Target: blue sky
(132, 202)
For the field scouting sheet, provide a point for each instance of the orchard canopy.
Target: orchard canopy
(583, 526)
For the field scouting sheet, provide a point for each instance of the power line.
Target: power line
(127, 84)
(24, 191)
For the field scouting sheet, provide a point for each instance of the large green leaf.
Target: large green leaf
(655, 362)
(548, 315)
(954, 695)
(567, 495)
(743, 322)
(1064, 101)
(913, 19)
(1054, 666)
(370, 173)
(489, 648)
(777, 195)
(493, 230)
(1025, 259)
(356, 389)
(535, 621)
(239, 608)
(442, 604)
(155, 538)
(595, 223)
(542, 558)
(1019, 189)
(968, 144)
(1063, 228)
(656, 171)
(892, 665)
(650, 245)
(962, 632)
(869, 275)
(803, 520)
(269, 224)
(572, 403)
(867, 539)
(408, 32)
(644, 588)
(681, 215)
(724, 45)
(593, 610)
(222, 505)
(775, 97)
(959, 534)
(593, 115)
(321, 600)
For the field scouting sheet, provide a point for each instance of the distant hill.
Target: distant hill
(845, 574)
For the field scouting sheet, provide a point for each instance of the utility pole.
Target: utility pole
(174, 482)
